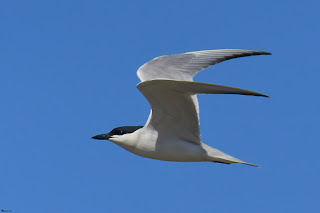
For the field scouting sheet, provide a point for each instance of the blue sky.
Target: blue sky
(68, 72)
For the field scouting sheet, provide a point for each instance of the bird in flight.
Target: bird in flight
(172, 131)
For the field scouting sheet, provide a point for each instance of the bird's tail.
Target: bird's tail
(230, 162)
(217, 156)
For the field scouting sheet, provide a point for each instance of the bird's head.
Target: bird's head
(118, 134)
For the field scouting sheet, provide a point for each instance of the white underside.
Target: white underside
(147, 144)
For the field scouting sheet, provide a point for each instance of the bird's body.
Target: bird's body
(149, 143)
(172, 132)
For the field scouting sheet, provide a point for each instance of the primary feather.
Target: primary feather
(185, 66)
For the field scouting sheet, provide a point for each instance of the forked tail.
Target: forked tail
(230, 162)
(217, 156)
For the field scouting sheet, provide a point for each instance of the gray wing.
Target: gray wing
(174, 111)
(185, 66)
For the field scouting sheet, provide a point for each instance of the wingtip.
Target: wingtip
(251, 164)
(267, 53)
(263, 53)
(266, 96)
(257, 94)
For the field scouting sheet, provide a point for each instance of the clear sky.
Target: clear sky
(68, 72)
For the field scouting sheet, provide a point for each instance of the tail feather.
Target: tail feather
(217, 156)
(231, 162)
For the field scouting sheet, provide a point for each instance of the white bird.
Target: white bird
(172, 132)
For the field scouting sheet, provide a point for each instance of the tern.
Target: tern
(172, 131)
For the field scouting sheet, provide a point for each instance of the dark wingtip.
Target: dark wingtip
(266, 53)
(259, 95)
(257, 52)
(266, 96)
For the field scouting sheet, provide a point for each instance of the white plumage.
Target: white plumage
(172, 132)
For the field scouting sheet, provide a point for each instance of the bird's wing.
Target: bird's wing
(174, 105)
(183, 67)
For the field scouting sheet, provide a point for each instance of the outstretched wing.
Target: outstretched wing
(184, 66)
(174, 109)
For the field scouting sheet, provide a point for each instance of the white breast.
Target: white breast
(151, 145)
